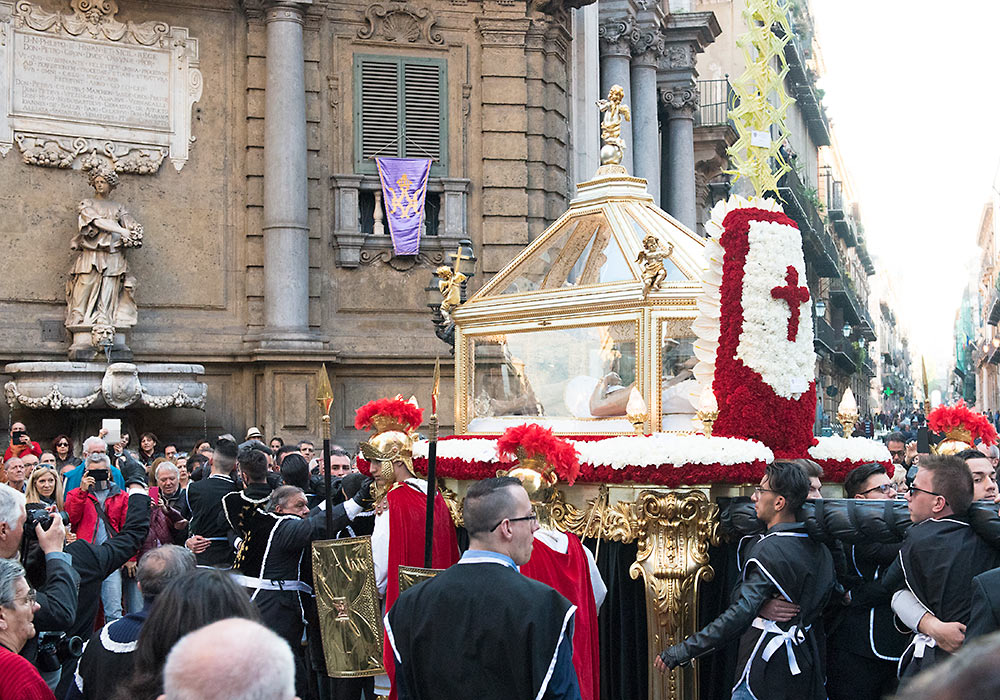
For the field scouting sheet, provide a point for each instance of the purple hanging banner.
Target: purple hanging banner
(404, 188)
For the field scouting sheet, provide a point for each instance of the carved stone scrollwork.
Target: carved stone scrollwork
(407, 262)
(616, 36)
(55, 399)
(63, 152)
(679, 56)
(398, 23)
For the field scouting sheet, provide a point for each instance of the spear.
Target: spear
(431, 468)
(325, 399)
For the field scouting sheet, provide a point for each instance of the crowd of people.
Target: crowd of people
(122, 570)
(119, 566)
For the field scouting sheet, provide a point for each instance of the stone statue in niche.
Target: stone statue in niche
(99, 293)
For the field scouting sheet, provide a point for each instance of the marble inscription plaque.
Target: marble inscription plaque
(85, 81)
(82, 87)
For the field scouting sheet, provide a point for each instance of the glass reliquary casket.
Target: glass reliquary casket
(600, 303)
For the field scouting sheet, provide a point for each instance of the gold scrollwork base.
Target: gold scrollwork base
(673, 531)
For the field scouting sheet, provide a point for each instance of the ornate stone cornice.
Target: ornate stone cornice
(616, 36)
(503, 32)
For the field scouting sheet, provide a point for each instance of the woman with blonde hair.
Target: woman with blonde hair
(44, 486)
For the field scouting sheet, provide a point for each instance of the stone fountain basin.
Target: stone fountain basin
(58, 385)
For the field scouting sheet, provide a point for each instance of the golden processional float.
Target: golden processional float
(677, 366)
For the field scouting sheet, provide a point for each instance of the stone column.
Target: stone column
(615, 37)
(286, 223)
(681, 103)
(645, 113)
(686, 34)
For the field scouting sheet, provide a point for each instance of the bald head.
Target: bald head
(234, 659)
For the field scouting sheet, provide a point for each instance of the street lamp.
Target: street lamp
(820, 307)
(847, 330)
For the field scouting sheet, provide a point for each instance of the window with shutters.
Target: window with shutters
(400, 109)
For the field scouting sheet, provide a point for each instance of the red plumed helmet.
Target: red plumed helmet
(535, 447)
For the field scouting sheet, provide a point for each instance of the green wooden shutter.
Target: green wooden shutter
(380, 117)
(422, 110)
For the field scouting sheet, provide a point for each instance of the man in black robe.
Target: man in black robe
(940, 557)
(776, 660)
(273, 558)
(480, 629)
(864, 646)
(208, 532)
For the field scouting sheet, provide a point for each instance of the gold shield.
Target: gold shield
(350, 613)
(410, 576)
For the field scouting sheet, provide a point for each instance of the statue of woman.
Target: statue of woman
(99, 290)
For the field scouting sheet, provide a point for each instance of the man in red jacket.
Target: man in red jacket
(96, 513)
(20, 442)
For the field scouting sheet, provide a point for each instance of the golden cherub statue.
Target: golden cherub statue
(450, 286)
(654, 274)
(611, 126)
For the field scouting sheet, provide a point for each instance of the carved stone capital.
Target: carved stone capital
(617, 35)
(681, 100)
(648, 47)
(398, 23)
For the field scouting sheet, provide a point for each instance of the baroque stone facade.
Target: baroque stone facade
(266, 254)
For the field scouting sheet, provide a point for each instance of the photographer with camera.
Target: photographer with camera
(21, 443)
(38, 537)
(18, 678)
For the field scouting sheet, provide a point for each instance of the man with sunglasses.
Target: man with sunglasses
(939, 558)
(864, 645)
(480, 629)
(776, 660)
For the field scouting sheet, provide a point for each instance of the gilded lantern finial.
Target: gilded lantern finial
(611, 127)
(847, 413)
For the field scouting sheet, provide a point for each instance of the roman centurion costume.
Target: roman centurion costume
(401, 506)
(559, 559)
(776, 660)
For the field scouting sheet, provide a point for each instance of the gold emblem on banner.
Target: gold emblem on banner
(410, 576)
(350, 613)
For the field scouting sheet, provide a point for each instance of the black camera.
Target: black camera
(55, 649)
(38, 515)
(17, 436)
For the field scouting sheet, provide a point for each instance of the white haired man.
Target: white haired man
(91, 445)
(232, 659)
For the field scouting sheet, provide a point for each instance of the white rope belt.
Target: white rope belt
(265, 584)
(789, 639)
(921, 642)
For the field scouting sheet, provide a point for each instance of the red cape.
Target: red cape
(570, 575)
(407, 513)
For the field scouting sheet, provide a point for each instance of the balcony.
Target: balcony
(817, 243)
(843, 294)
(993, 308)
(825, 338)
(802, 88)
(868, 367)
(715, 100)
(864, 256)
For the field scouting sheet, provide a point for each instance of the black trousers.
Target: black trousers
(852, 676)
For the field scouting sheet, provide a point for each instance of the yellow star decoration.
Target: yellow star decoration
(761, 101)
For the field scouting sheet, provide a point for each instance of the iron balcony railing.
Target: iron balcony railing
(717, 98)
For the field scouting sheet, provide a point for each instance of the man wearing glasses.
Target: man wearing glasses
(864, 647)
(480, 629)
(939, 558)
(777, 660)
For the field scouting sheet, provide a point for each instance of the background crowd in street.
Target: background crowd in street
(131, 574)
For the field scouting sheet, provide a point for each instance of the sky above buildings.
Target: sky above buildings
(915, 107)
